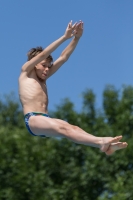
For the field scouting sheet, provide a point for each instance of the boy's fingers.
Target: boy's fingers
(70, 23)
(74, 33)
(82, 24)
(74, 25)
(78, 26)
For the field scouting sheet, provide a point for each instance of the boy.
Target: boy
(34, 98)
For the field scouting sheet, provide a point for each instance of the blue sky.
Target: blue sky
(103, 55)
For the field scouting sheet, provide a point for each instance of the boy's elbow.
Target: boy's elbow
(64, 58)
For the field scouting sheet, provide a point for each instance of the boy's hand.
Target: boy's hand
(70, 31)
(79, 29)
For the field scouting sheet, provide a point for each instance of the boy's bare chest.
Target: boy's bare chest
(38, 87)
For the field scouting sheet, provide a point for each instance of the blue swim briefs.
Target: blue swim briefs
(26, 119)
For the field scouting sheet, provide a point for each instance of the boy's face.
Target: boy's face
(42, 69)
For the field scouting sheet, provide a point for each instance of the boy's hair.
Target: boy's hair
(35, 51)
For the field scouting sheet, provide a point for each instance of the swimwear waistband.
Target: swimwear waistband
(36, 113)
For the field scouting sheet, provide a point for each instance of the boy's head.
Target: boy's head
(35, 51)
(42, 69)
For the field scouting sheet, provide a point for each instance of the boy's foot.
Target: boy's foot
(106, 142)
(116, 146)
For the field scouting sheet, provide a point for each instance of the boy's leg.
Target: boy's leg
(50, 127)
(113, 146)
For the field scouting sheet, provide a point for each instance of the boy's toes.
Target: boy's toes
(116, 146)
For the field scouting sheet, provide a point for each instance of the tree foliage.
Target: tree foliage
(58, 169)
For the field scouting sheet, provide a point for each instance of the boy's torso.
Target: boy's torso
(33, 93)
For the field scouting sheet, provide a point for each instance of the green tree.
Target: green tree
(58, 169)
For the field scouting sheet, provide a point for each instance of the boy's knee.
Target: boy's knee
(76, 128)
(65, 129)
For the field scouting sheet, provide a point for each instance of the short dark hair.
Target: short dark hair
(35, 51)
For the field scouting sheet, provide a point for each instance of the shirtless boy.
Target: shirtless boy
(34, 98)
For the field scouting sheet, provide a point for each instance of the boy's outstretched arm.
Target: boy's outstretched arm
(78, 31)
(28, 66)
